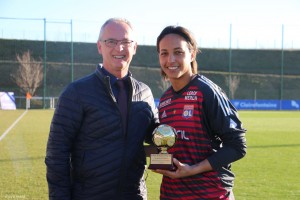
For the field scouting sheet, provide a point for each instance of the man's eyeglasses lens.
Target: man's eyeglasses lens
(113, 43)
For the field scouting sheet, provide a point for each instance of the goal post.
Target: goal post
(36, 102)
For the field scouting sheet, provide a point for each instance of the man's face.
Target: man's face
(119, 48)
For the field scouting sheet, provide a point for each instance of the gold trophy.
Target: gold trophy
(163, 137)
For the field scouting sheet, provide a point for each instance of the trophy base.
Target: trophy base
(162, 161)
(164, 167)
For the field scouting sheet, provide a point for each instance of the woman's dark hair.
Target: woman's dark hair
(189, 38)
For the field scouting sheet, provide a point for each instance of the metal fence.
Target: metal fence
(208, 35)
(262, 67)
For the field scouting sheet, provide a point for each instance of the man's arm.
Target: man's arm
(150, 149)
(63, 130)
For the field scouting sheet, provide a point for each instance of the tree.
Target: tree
(29, 75)
(163, 84)
(233, 82)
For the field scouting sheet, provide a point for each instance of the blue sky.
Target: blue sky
(254, 24)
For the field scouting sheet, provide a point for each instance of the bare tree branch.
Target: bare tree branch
(29, 75)
(163, 84)
(234, 84)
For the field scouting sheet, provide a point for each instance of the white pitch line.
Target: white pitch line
(12, 126)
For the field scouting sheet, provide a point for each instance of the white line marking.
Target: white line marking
(12, 126)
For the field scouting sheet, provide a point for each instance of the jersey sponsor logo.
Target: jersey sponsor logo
(188, 111)
(191, 95)
(182, 134)
(164, 103)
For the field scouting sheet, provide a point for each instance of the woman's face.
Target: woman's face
(175, 57)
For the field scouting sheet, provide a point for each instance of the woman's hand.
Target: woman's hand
(182, 170)
(185, 170)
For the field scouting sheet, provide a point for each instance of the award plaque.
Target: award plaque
(163, 137)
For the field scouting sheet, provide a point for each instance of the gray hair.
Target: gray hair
(113, 20)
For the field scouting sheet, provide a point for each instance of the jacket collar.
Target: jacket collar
(104, 74)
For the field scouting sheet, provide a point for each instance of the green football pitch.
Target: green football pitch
(270, 170)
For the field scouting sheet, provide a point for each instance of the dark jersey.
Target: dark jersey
(207, 127)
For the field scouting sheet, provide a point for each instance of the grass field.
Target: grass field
(270, 170)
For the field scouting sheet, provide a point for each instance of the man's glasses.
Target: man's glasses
(113, 43)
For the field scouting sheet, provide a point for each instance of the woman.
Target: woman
(209, 133)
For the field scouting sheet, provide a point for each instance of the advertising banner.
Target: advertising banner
(262, 104)
(7, 101)
(266, 104)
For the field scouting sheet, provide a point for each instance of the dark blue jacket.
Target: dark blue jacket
(88, 155)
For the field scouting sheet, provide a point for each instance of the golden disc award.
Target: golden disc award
(164, 137)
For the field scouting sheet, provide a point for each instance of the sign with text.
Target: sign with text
(266, 104)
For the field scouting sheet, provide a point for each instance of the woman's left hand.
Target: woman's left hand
(182, 170)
